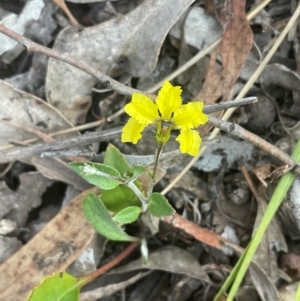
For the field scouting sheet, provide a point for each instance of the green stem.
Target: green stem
(277, 197)
(297, 296)
(157, 156)
(139, 194)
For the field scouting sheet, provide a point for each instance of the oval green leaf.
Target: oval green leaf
(159, 205)
(59, 286)
(114, 158)
(127, 215)
(97, 214)
(101, 175)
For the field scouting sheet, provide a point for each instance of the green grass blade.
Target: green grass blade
(277, 197)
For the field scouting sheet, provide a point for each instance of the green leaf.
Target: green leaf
(119, 198)
(59, 287)
(127, 215)
(136, 171)
(114, 158)
(101, 175)
(159, 205)
(99, 217)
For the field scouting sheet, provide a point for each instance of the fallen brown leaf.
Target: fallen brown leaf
(51, 250)
(233, 50)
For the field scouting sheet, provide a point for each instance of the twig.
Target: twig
(238, 131)
(229, 104)
(33, 150)
(209, 237)
(107, 81)
(113, 262)
(251, 184)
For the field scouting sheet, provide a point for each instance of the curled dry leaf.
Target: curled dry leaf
(129, 43)
(51, 250)
(233, 51)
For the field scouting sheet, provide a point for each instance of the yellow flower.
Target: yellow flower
(167, 113)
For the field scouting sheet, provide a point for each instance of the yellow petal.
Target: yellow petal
(190, 116)
(190, 142)
(168, 100)
(142, 109)
(132, 131)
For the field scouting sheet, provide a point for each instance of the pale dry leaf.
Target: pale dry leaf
(170, 259)
(51, 250)
(129, 43)
(20, 111)
(110, 289)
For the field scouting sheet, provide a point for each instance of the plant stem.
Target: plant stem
(158, 152)
(139, 194)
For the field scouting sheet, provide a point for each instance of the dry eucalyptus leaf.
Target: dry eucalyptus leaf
(170, 259)
(21, 111)
(129, 43)
(233, 50)
(53, 249)
(110, 288)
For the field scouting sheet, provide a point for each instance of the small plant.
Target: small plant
(122, 199)
(122, 193)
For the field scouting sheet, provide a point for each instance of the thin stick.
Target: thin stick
(240, 132)
(107, 81)
(33, 150)
(229, 104)
(112, 263)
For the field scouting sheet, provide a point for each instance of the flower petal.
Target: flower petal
(132, 131)
(190, 142)
(190, 116)
(142, 109)
(168, 100)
